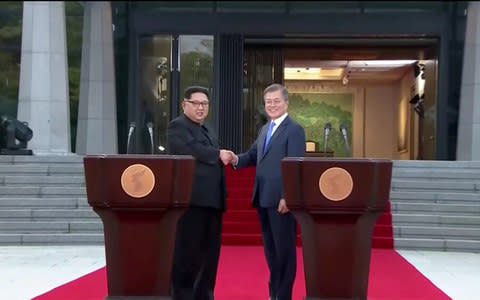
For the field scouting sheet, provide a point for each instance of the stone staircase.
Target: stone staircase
(436, 205)
(43, 201)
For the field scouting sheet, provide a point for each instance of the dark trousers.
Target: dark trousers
(197, 250)
(279, 234)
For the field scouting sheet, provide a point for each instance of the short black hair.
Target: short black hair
(194, 89)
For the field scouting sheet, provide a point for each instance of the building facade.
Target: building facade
(388, 72)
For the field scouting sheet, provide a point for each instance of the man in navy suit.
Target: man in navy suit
(279, 138)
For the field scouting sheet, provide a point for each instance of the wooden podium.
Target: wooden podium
(139, 199)
(337, 203)
(319, 154)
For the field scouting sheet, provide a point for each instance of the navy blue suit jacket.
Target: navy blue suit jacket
(287, 140)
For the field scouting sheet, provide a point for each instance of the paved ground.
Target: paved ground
(28, 271)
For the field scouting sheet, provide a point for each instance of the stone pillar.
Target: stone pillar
(43, 99)
(97, 111)
(468, 144)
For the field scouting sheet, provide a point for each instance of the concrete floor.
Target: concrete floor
(28, 271)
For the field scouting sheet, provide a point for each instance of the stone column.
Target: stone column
(468, 144)
(97, 112)
(43, 99)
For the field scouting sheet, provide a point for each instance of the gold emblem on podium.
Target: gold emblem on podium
(138, 180)
(335, 184)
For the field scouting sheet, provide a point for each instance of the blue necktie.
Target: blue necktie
(269, 135)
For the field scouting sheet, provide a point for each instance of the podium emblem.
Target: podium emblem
(335, 184)
(137, 180)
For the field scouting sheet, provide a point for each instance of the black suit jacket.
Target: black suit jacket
(185, 137)
(287, 140)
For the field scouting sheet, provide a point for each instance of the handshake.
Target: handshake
(228, 157)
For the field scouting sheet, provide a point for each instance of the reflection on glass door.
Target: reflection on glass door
(262, 67)
(167, 65)
(196, 66)
(154, 94)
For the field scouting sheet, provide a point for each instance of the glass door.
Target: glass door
(196, 67)
(155, 74)
(262, 67)
(167, 65)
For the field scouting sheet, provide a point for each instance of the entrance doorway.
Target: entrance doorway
(369, 98)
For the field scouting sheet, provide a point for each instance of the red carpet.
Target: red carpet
(241, 225)
(242, 275)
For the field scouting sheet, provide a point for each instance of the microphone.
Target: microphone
(327, 129)
(150, 127)
(150, 131)
(130, 132)
(343, 130)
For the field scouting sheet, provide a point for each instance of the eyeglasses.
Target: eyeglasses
(197, 104)
(273, 102)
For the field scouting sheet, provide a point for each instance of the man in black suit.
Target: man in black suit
(279, 138)
(197, 244)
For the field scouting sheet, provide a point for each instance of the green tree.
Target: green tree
(10, 54)
(74, 24)
(10, 51)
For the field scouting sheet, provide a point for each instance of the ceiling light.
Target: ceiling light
(381, 63)
(313, 73)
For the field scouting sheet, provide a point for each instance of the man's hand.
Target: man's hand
(282, 206)
(228, 157)
(225, 156)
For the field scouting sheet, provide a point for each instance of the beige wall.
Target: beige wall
(380, 109)
(405, 94)
(380, 100)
